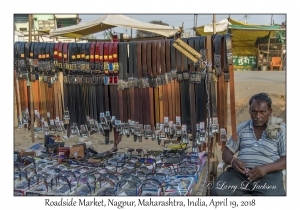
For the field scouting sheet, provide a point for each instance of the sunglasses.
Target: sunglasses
(67, 174)
(158, 176)
(110, 176)
(151, 186)
(187, 170)
(19, 166)
(109, 191)
(132, 178)
(126, 187)
(167, 168)
(105, 181)
(28, 160)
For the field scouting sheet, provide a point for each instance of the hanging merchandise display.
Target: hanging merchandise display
(172, 91)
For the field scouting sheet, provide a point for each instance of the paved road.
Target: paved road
(260, 76)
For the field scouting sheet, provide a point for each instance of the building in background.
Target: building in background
(43, 23)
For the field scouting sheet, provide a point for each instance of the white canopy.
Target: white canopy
(220, 26)
(110, 21)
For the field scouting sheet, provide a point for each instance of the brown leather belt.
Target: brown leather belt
(229, 57)
(150, 88)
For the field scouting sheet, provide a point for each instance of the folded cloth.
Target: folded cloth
(273, 126)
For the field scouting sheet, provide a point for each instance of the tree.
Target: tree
(142, 34)
(90, 36)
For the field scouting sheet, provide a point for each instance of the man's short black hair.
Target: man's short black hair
(261, 97)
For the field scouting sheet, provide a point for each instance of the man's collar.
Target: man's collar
(251, 124)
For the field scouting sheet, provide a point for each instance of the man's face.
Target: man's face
(260, 112)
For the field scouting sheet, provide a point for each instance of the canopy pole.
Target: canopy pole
(214, 23)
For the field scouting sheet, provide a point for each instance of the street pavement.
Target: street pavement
(260, 76)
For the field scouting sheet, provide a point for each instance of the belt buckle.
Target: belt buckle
(60, 65)
(118, 126)
(185, 137)
(32, 77)
(150, 81)
(74, 129)
(155, 82)
(73, 66)
(164, 79)
(78, 66)
(174, 73)
(217, 64)
(120, 85)
(169, 77)
(87, 66)
(115, 80)
(166, 128)
(159, 80)
(130, 82)
(126, 129)
(229, 58)
(83, 130)
(107, 116)
(179, 76)
(223, 135)
(66, 114)
(103, 120)
(226, 77)
(186, 75)
(115, 67)
(82, 66)
(195, 77)
(148, 131)
(137, 129)
(215, 126)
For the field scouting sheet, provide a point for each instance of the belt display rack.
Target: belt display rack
(170, 89)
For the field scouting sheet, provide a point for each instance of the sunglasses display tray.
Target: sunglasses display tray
(51, 171)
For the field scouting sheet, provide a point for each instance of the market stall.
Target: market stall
(176, 92)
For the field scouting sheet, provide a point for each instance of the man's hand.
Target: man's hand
(239, 165)
(257, 172)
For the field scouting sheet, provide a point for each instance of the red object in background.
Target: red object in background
(115, 38)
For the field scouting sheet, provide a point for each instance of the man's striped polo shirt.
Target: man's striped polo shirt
(258, 152)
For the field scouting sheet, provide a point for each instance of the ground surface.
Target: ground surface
(247, 83)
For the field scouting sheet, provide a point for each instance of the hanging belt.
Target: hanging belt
(97, 58)
(171, 94)
(211, 92)
(191, 42)
(114, 87)
(229, 57)
(146, 92)
(106, 92)
(175, 89)
(131, 111)
(150, 81)
(164, 87)
(139, 97)
(215, 75)
(218, 57)
(155, 85)
(121, 93)
(136, 73)
(185, 75)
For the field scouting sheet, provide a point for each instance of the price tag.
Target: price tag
(51, 122)
(48, 114)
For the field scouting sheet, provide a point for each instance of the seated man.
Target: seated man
(261, 144)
